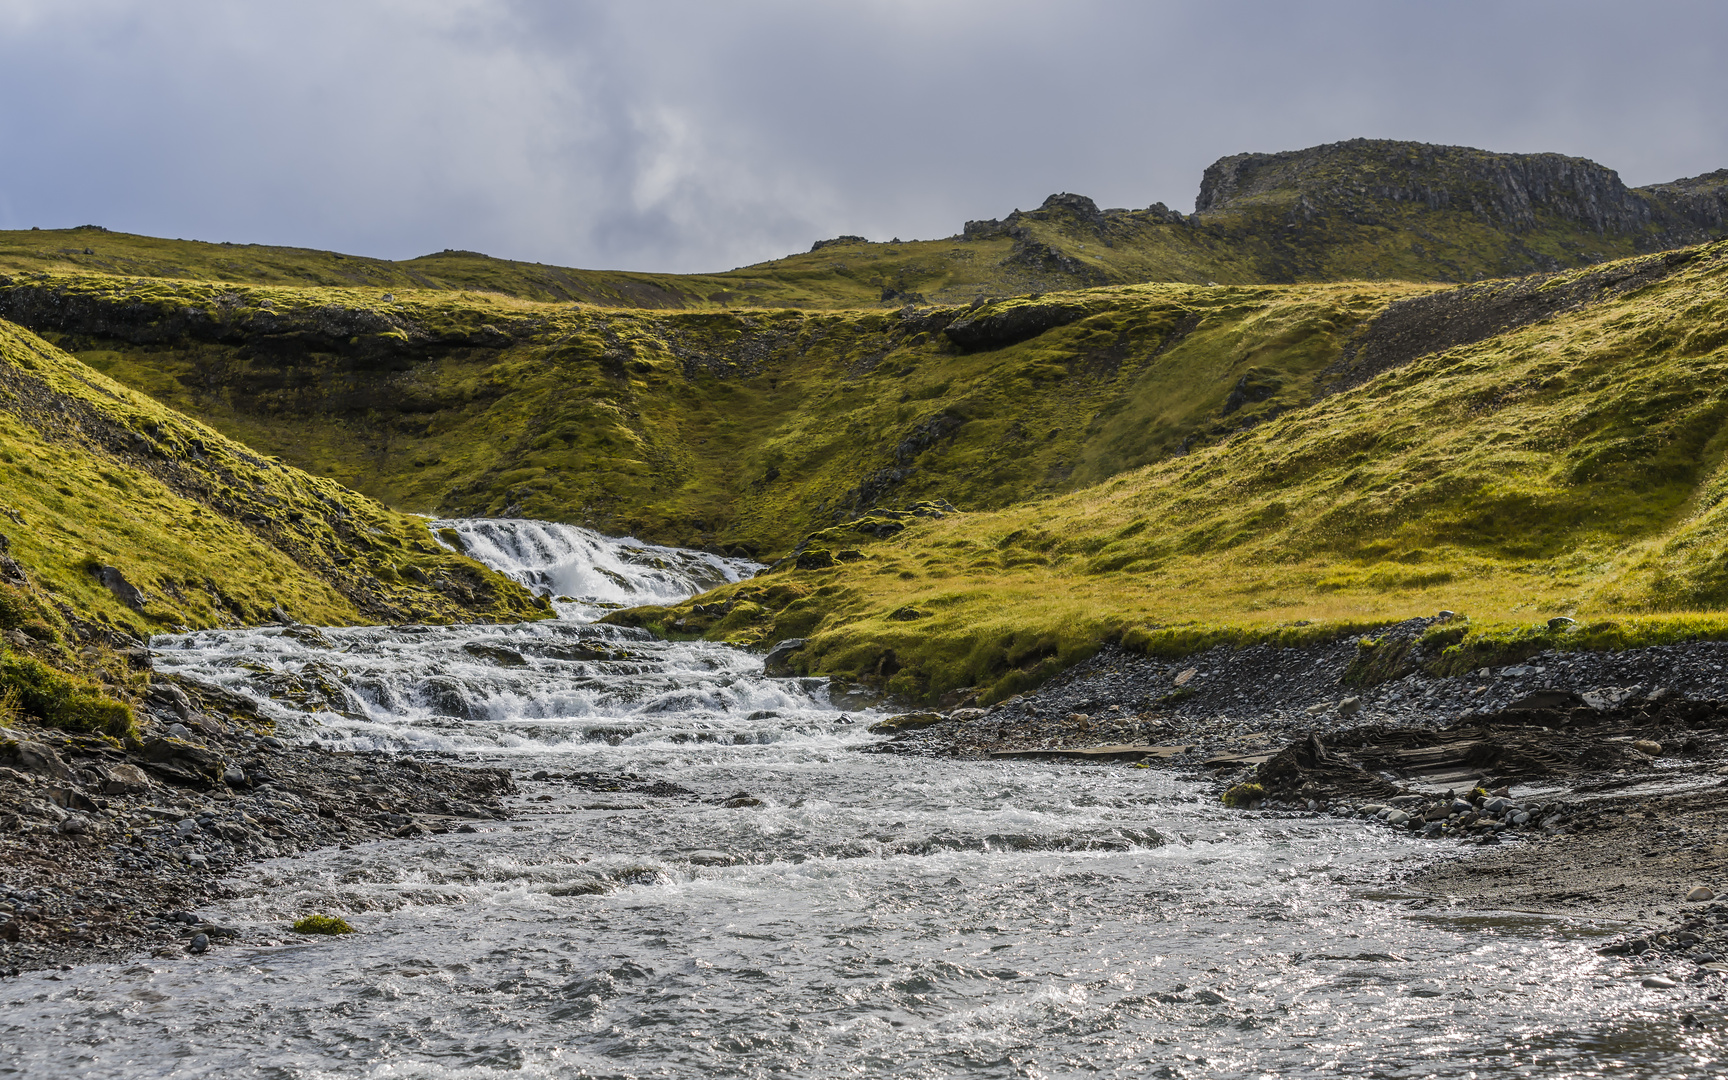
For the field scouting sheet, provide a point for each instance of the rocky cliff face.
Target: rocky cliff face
(1362, 179)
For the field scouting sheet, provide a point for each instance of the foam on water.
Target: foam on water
(872, 916)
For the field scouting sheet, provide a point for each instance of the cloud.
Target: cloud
(691, 136)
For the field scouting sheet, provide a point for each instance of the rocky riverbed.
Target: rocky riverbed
(1582, 783)
(108, 848)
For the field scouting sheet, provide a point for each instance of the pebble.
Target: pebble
(1660, 982)
(1702, 892)
(1648, 746)
(199, 943)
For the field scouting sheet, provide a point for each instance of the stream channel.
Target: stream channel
(874, 915)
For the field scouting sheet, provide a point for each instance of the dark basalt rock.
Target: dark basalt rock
(847, 239)
(995, 327)
(124, 591)
(779, 658)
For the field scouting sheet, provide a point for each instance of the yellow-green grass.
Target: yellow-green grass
(1571, 467)
(730, 428)
(95, 474)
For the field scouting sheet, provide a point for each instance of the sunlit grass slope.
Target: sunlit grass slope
(1570, 467)
(730, 429)
(94, 474)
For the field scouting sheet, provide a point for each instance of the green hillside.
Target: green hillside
(1157, 428)
(210, 533)
(733, 430)
(1572, 465)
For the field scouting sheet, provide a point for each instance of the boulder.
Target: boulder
(496, 654)
(778, 662)
(36, 757)
(124, 591)
(124, 779)
(905, 722)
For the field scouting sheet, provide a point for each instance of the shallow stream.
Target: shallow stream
(868, 915)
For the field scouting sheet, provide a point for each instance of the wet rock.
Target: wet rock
(199, 943)
(778, 662)
(905, 722)
(495, 654)
(741, 800)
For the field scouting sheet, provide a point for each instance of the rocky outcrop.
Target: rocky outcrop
(848, 239)
(1361, 179)
(999, 325)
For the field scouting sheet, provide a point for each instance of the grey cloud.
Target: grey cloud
(694, 136)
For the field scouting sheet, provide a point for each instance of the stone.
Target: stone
(905, 722)
(1648, 746)
(185, 827)
(124, 591)
(1183, 678)
(1397, 817)
(1350, 706)
(38, 758)
(741, 800)
(78, 825)
(778, 662)
(199, 943)
(1701, 893)
(495, 654)
(1659, 982)
(1560, 622)
(233, 776)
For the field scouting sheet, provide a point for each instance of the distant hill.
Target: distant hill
(1358, 210)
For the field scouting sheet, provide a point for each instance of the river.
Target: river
(851, 915)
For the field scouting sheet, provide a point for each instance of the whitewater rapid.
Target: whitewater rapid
(749, 895)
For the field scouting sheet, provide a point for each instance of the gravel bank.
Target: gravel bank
(106, 850)
(1602, 773)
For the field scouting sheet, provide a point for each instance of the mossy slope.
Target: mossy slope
(728, 429)
(1572, 465)
(94, 474)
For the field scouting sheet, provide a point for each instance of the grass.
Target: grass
(93, 475)
(1571, 467)
(30, 688)
(731, 429)
(322, 924)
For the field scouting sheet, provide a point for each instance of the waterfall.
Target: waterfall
(583, 570)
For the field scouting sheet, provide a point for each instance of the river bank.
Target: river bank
(1589, 785)
(110, 851)
(107, 850)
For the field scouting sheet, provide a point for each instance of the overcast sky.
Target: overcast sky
(667, 135)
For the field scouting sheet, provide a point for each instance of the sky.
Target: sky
(676, 135)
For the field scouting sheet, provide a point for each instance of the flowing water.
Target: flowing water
(871, 916)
